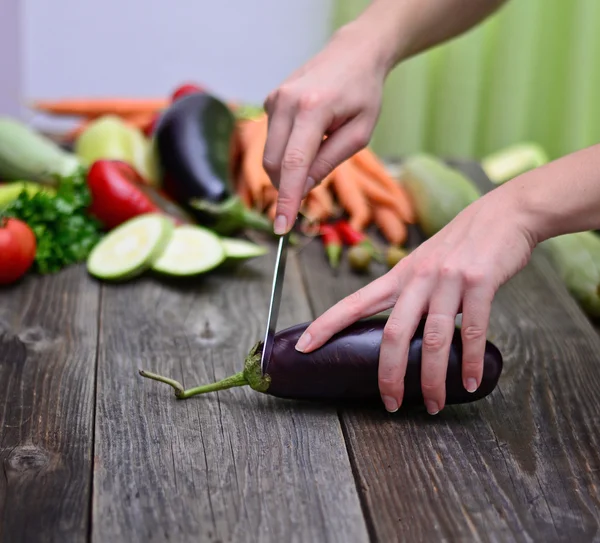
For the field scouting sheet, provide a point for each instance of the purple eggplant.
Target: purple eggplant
(193, 139)
(345, 368)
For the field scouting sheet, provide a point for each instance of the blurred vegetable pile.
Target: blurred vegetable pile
(173, 185)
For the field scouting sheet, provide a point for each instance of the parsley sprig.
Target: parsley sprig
(64, 231)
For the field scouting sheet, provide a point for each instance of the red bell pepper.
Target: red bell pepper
(332, 243)
(119, 193)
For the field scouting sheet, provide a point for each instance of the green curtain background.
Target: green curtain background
(530, 72)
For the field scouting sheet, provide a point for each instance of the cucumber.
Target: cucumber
(438, 192)
(131, 248)
(28, 155)
(512, 161)
(240, 249)
(191, 250)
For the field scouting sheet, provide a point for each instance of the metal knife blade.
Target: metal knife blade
(276, 289)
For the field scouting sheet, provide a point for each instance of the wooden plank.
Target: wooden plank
(520, 465)
(48, 339)
(231, 466)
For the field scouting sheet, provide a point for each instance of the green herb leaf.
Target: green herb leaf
(65, 233)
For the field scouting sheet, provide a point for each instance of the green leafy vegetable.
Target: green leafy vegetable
(65, 233)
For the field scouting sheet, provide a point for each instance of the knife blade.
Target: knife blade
(278, 276)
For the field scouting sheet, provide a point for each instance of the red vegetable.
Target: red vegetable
(184, 90)
(332, 243)
(119, 193)
(351, 236)
(17, 249)
(345, 368)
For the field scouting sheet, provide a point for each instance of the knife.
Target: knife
(276, 289)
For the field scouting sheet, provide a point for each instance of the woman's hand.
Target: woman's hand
(337, 94)
(461, 267)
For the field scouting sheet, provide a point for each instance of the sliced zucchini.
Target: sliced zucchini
(191, 250)
(131, 248)
(242, 249)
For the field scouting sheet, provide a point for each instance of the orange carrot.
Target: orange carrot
(243, 192)
(253, 135)
(369, 163)
(271, 211)
(375, 192)
(315, 211)
(94, 107)
(322, 195)
(350, 195)
(391, 226)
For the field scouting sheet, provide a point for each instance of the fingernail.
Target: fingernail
(310, 184)
(432, 407)
(390, 403)
(303, 342)
(280, 225)
(471, 385)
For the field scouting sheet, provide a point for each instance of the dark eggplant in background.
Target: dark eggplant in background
(193, 142)
(346, 368)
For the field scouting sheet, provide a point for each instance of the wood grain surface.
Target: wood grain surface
(231, 466)
(48, 339)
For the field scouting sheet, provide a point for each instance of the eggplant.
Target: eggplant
(345, 368)
(193, 141)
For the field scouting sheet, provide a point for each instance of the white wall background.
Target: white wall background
(239, 49)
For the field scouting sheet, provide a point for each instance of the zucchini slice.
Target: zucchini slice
(131, 248)
(191, 250)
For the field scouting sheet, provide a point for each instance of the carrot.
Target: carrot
(271, 211)
(315, 211)
(350, 195)
(391, 226)
(253, 135)
(370, 164)
(323, 196)
(243, 192)
(376, 193)
(94, 107)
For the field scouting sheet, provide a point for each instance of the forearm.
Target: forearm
(560, 197)
(398, 29)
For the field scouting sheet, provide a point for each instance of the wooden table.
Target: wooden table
(91, 451)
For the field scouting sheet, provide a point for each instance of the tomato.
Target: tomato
(185, 89)
(17, 250)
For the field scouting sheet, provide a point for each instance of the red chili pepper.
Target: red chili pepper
(352, 237)
(332, 243)
(119, 193)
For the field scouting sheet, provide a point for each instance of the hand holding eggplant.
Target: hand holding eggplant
(462, 266)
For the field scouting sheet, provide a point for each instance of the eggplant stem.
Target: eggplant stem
(251, 375)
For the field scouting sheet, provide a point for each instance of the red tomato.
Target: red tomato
(184, 90)
(17, 250)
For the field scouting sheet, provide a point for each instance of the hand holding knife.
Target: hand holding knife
(278, 277)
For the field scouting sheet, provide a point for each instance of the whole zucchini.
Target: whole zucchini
(576, 259)
(345, 368)
(438, 192)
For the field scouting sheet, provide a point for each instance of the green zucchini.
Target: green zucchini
(28, 155)
(576, 259)
(438, 192)
(131, 248)
(240, 249)
(512, 161)
(191, 250)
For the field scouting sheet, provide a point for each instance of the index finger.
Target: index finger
(300, 151)
(369, 300)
